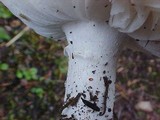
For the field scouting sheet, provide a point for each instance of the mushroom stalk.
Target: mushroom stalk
(93, 49)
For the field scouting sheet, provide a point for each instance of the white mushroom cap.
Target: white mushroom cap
(137, 18)
(47, 17)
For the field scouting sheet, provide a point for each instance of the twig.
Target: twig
(4, 47)
(19, 35)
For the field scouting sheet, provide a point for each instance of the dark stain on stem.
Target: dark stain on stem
(24, 17)
(72, 56)
(91, 105)
(72, 101)
(107, 82)
(93, 98)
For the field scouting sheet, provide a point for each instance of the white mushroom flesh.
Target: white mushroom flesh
(91, 28)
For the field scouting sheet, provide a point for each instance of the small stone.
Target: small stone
(144, 106)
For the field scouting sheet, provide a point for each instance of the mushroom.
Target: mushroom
(96, 31)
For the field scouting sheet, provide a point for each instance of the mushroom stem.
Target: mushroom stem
(90, 87)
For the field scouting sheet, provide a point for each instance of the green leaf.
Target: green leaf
(27, 74)
(34, 77)
(4, 66)
(5, 13)
(33, 71)
(19, 74)
(38, 91)
(3, 34)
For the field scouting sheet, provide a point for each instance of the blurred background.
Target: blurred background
(33, 71)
